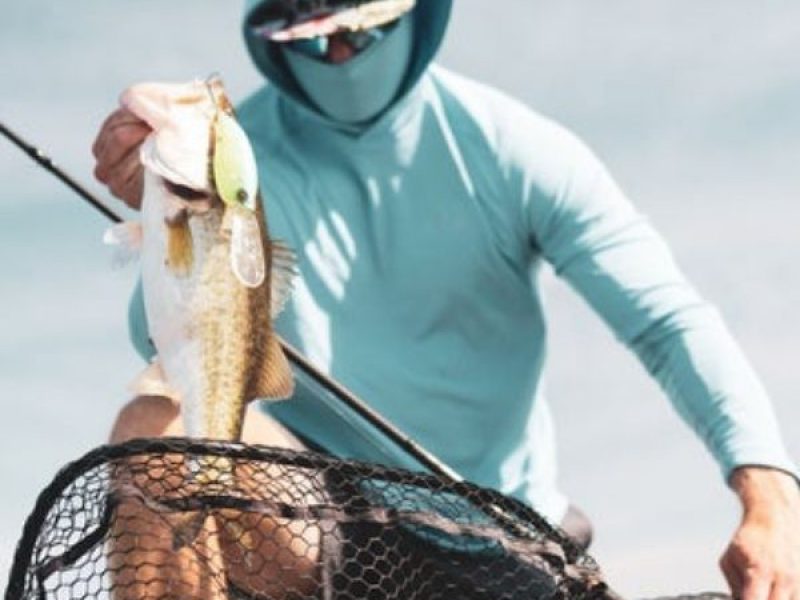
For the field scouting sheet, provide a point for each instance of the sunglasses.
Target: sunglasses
(293, 20)
(358, 41)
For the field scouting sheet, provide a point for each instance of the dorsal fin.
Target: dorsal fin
(284, 270)
(274, 379)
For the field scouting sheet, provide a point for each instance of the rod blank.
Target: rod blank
(46, 162)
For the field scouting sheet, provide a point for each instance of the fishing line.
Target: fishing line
(345, 396)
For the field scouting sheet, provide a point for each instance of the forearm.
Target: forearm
(714, 388)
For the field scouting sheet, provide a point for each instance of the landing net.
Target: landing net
(137, 521)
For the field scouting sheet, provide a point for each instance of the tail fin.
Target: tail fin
(212, 473)
(187, 529)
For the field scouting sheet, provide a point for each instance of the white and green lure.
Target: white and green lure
(235, 173)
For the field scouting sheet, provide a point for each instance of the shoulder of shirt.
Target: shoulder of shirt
(257, 112)
(500, 116)
(520, 139)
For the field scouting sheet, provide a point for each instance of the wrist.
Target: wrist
(764, 490)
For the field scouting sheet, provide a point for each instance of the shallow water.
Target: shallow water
(694, 109)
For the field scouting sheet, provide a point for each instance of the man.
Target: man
(421, 205)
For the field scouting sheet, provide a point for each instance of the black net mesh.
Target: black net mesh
(174, 519)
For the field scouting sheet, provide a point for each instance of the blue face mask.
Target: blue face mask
(361, 88)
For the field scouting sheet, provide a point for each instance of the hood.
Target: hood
(430, 22)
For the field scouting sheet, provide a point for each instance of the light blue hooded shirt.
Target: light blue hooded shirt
(420, 237)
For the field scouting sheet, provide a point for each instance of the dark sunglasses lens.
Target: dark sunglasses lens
(359, 40)
(313, 47)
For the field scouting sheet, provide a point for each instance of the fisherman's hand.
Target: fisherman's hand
(763, 560)
(116, 150)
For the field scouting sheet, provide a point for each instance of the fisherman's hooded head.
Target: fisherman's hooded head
(349, 79)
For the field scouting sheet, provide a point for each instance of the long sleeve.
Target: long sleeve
(137, 324)
(594, 238)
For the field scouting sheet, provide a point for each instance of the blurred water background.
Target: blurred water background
(694, 105)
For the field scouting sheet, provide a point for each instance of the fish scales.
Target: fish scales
(233, 325)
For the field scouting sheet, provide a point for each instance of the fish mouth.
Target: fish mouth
(184, 192)
(191, 200)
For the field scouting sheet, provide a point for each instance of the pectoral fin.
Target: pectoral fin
(284, 270)
(127, 237)
(274, 379)
(187, 529)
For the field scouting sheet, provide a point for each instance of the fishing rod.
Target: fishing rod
(339, 391)
(45, 161)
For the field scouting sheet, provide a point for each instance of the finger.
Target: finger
(121, 132)
(134, 188)
(119, 118)
(756, 586)
(99, 139)
(127, 164)
(118, 142)
(731, 576)
(786, 587)
(127, 180)
(781, 590)
(113, 157)
(130, 192)
(124, 171)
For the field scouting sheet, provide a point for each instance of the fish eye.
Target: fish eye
(184, 192)
(242, 196)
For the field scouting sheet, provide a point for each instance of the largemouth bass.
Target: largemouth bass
(212, 278)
